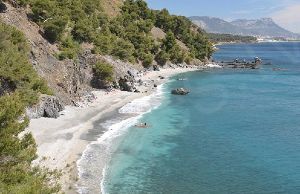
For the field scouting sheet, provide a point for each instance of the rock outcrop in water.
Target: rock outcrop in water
(180, 91)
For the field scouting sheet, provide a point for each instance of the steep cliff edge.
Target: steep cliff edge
(68, 79)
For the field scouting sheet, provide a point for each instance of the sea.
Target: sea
(237, 132)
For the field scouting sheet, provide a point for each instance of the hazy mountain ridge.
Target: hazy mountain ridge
(264, 27)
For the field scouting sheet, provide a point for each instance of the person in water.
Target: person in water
(142, 125)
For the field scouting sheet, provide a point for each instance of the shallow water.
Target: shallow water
(237, 132)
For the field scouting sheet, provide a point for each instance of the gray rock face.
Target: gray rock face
(156, 68)
(6, 86)
(3, 8)
(126, 84)
(180, 91)
(49, 106)
(133, 73)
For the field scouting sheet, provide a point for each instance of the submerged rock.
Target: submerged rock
(48, 106)
(180, 91)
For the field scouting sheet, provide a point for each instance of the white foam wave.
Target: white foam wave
(115, 129)
(213, 65)
(142, 105)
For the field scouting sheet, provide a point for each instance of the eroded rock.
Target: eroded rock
(3, 7)
(48, 106)
(126, 84)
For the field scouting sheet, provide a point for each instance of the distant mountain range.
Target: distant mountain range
(264, 27)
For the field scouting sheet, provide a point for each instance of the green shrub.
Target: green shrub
(103, 71)
(83, 30)
(54, 29)
(177, 55)
(162, 57)
(123, 49)
(104, 43)
(169, 42)
(147, 60)
(42, 9)
(188, 59)
(15, 67)
(69, 49)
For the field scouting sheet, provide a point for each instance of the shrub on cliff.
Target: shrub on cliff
(68, 49)
(147, 60)
(123, 49)
(15, 67)
(104, 43)
(103, 71)
(162, 57)
(54, 28)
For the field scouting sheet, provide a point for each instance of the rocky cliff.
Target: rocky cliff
(72, 80)
(69, 79)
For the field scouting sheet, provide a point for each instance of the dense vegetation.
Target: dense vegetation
(19, 88)
(103, 71)
(126, 36)
(216, 38)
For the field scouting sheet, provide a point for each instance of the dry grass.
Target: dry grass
(158, 33)
(112, 7)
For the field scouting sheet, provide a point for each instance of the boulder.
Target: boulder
(133, 73)
(126, 84)
(3, 8)
(156, 68)
(48, 106)
(180, 91)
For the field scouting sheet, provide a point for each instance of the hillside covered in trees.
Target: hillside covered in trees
(126, 36)
(217, 38)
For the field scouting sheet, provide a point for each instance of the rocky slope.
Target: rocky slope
(264, 27)
(67, 78)
(70, 80)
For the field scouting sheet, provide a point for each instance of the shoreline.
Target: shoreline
(62, 141)
(95, 160)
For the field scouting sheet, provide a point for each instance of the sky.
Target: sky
(285, 12)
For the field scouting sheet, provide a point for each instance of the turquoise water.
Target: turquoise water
(237, 132)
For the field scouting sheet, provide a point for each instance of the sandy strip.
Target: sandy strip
(61, 141)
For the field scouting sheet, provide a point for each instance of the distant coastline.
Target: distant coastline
(255, 42)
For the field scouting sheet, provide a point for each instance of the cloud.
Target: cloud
(289, 17)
